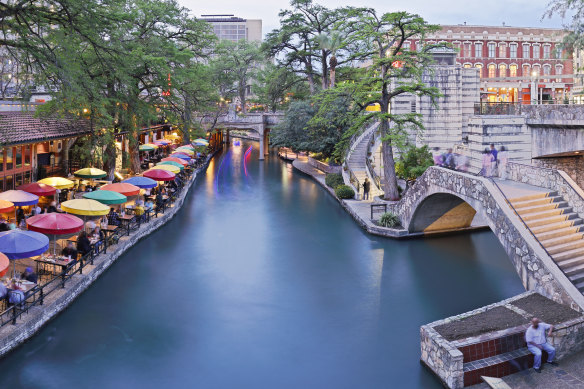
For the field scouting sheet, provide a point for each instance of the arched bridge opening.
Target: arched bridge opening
(441, 212)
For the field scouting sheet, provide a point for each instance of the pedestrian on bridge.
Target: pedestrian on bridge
(503, 159)
(486, 171)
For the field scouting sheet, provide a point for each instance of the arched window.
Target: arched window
(502, 70)
(526, 50)
(513, 50)
(512, 70)
(503, 50)
(480, 67)
(492, 70)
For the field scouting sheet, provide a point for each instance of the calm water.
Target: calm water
(262, 281)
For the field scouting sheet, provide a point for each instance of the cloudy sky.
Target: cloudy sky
(522, 13)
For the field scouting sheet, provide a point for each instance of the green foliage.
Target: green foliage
(334, 180)
(291, 132)
(344, 192)
(276, 87)
(389, 220)
(412, 163)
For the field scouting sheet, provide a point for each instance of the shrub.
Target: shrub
(389, 220)
(412, 163)
(334, 179)
(344, 192)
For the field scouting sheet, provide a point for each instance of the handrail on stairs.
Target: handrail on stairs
(372, 172)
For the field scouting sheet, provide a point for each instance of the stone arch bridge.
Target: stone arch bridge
(443, 200)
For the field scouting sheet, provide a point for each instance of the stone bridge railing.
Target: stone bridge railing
(538, 272)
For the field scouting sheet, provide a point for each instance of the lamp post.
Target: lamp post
(534, 88)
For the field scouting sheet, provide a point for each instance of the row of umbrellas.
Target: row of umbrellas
(17, 244)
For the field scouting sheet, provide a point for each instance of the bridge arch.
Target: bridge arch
(442, 212)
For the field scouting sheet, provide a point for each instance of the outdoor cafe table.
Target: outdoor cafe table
(126, 221)
(93, 242)
(53, 262)
(24, 285)
(108, 230)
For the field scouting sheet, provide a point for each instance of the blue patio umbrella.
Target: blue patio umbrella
(18, 244)
(19, 197)
(181, 156)
(141, 182)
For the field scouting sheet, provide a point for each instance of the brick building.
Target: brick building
(516, 64)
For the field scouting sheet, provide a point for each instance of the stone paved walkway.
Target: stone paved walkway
(569, 375)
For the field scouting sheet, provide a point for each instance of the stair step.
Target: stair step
(577, 278)
(541, 201)
(577, 222)
(551, 219)
(566, 247)
(542, 208)
(567, 238)
(574, 269)
(580, 286)
(568, 258)
(534, 196)
(557, 233)
(545, 214)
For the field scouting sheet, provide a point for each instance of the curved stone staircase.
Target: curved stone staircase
(357, 161)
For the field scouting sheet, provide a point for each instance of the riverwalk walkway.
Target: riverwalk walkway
(569, 375)
(37, 316)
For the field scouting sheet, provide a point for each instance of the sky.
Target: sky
(520, 13)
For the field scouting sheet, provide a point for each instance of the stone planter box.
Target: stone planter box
(324, 167)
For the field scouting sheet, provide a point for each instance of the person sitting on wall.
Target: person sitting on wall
(29, 275)
(536, 339)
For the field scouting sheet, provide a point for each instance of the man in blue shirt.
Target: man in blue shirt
(535, 336)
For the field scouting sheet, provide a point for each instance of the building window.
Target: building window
(513, 71)
(466, 50)
(502, 70)
(9, 159)
(492, 48)
(480, 67)
(413, 106)
(18, 156)
(558, 51)
(492, 70)
(478, 50)
(503, 50)
(513, 50)
(467, 65)
(559, 72)
(526, 51)
(546, 51)
(526, 72)
(536, 71)
(536, 50)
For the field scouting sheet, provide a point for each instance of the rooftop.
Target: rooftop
(24, 127)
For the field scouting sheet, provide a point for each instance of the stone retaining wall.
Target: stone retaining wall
(446, 360)
(12, 336)
(324, 167)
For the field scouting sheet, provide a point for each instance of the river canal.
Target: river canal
(262, 281)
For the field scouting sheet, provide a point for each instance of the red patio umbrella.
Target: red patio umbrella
(174, 159)
(4, 264)
(55, 224)
(6, 206)
(159, 175)
(122, 188)
(38, 189)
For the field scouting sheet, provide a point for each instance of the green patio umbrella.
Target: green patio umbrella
(106, 197)
(178, 165)
(146, 148)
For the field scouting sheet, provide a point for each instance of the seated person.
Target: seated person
(3, 291)
(70, 251)
(98, 235)
(112, 218)
(149, 205)
(4, 227)
(52, 208)
(139, 211)
(16, 295)
(83, 244)
(29, 275)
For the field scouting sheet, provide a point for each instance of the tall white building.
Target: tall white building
(230, 27)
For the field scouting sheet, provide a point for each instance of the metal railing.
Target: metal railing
(57, 281)
(501, 108)
(372, 172)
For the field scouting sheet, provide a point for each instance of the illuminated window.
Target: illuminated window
(478, 50)
(526, 51)
(503, 50)
(502, 70)
(526, 72)
(513, 50)
(480, 67)
(513, 71)
(467, 65)
(492, 46)
(492, 70)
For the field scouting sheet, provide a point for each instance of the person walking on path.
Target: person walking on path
(503, 159)
(487, 163)
(366, 188)
(495, 162)
(536, 339)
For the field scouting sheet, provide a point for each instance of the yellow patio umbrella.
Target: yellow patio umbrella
(85, 207)
(153, 145)
(90, 173)
(57, 182)
(185, 151)
(168, 168)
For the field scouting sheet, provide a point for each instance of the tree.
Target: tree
(291, 132)
(413, 162)
(332, 43)
(238, 64)
(275, 87)
(394, 70)
(574, 39)
(295, 43)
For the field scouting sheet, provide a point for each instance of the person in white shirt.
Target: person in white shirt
(536, 339)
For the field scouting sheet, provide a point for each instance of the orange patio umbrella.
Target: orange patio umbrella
(122, 188)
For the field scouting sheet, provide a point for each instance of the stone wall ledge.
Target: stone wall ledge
(11, 336)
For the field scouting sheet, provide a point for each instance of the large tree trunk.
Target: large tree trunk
(390, 179)
(133, 144)
(109, 163)
(333, 75)
(66, 154)
(324, 71)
